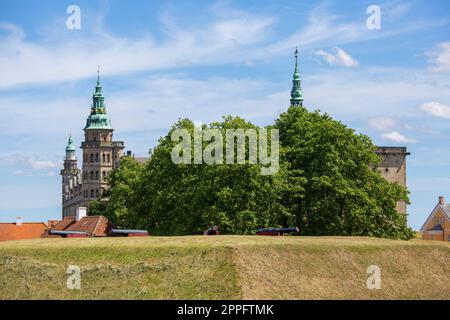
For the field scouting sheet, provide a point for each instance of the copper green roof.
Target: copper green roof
(296, 92)
(70, 146)
(98, 119)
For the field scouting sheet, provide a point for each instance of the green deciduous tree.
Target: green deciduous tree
(187, 198)
(118, 201)
(344, 192)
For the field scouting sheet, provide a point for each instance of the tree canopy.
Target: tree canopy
(344, 193)
(327, 184)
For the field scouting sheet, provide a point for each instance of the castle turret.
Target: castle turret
(296, 92)
(71, 180)
(70, 150)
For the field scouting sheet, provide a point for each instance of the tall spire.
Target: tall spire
(98, 99)
(296, 92)
(98, 118)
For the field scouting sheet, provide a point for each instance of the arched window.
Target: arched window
(107, 156)
(96, 193)
(92, 193)
(96, 175)
(92, 157)
(104, 175)
(96, 157)
(103, 157)
(92, 175)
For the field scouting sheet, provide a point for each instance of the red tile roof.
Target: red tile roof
(64, 223)
(94, 226)
(28, 230)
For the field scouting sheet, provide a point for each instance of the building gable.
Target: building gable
(438, 211)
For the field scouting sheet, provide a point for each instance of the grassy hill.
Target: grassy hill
(224, 267)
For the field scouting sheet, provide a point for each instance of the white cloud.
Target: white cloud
(322, 28)
(396, 136)
(436, 109)
(439, 58)
(230, 37)
(373, 91)
(382, 123)
(42, 164)
(29, 163)
(395, 10)
(21, 173)
(339, 58)
(156, 103)
(222, 41)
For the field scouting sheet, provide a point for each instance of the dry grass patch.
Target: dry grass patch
(224, 267)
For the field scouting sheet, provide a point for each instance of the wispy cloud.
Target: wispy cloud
(382, 123)
(323, 28)
(156, 103)
(222, 41)
(395, 10)
(226, 38)
(338, 58)
(21, 173)
(439, 57)
(373, 92)
(396, 136)
(436, 109)
(28, 165)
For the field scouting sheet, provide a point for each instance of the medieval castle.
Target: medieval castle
(101, 155)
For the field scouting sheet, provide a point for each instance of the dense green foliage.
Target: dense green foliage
(327, 184)
(344, 192)
(171, 199)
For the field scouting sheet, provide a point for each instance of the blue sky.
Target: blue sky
(202, 59)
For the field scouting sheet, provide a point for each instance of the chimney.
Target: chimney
(441, 201)
(18, 221)
(81, 213)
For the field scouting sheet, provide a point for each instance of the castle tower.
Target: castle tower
(393, 168)
(71, 181)
(296, 92)
(100, 153)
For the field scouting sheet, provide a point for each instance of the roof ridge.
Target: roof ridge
(98, 221)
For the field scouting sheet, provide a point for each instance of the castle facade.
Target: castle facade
(101, 154)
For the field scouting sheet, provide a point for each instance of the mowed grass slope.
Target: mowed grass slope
(224, 267)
